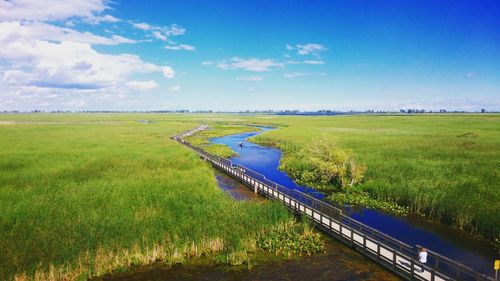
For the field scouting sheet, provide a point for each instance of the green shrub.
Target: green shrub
(291, 238)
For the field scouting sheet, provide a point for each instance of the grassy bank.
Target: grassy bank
(442, 166)
(202, 138)
(83, 195)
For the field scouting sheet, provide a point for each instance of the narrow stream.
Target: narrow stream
(457, 245)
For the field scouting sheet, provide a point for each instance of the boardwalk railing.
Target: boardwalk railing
(387, 251)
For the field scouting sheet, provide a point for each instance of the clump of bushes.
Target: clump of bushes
(364, 199)
(290, 239)
(324, 165)
(220, 150)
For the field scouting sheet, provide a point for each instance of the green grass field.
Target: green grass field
(86, 194)
(80, 199)
(443, 166)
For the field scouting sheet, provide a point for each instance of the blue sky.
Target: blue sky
(246, 55)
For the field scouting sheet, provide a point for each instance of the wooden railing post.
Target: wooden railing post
(412, 268)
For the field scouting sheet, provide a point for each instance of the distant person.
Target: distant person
(422, 257)
(240, 144)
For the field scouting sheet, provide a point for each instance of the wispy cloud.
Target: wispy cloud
(159, 35)
(168, 72)
(164, 33)
(175, 88)
(302, 74)
(141, 25)
(307, 49)
(251, 64)
(250, 78)
(170, 30)
(100, 19)
(11, 31)
(180, 47)
(142, 85)
(314, 62)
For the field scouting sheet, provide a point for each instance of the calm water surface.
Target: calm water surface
(475, 253)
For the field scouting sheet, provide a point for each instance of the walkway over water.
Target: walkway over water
(387, 251)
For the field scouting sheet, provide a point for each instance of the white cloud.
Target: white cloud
(45, 61)
(294, 74)
(250, 78)
(142, 85)
(141, 25)
(302, 74)
(50, 10)
(307, 49)
(71, 65)
(159, 35)
(17, 31)
(174, 30)
(100, 19)
(175, 88)
(252, 64)
(180, 47)
(314, 62)
(168, 72)
(170, 30)
(207, 62)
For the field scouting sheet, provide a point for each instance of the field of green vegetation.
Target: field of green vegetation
(445, 167)
(84, 195)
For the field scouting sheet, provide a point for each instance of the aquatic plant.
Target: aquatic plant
(291, 238)
(359, 198)
(324, 164)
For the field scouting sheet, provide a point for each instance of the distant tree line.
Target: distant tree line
(268, 111)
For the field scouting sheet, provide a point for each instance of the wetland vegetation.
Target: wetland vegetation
(441, 166)
(444, 167)
(84, 195)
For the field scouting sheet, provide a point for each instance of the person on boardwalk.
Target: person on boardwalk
(422, 257)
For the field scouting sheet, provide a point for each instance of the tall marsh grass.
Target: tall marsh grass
(80, 199)
(443, 166)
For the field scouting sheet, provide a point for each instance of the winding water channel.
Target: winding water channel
(457, 245)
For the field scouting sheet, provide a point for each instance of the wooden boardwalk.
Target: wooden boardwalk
(387, 251)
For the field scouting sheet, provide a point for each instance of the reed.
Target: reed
(85, 195)
(442, 166)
